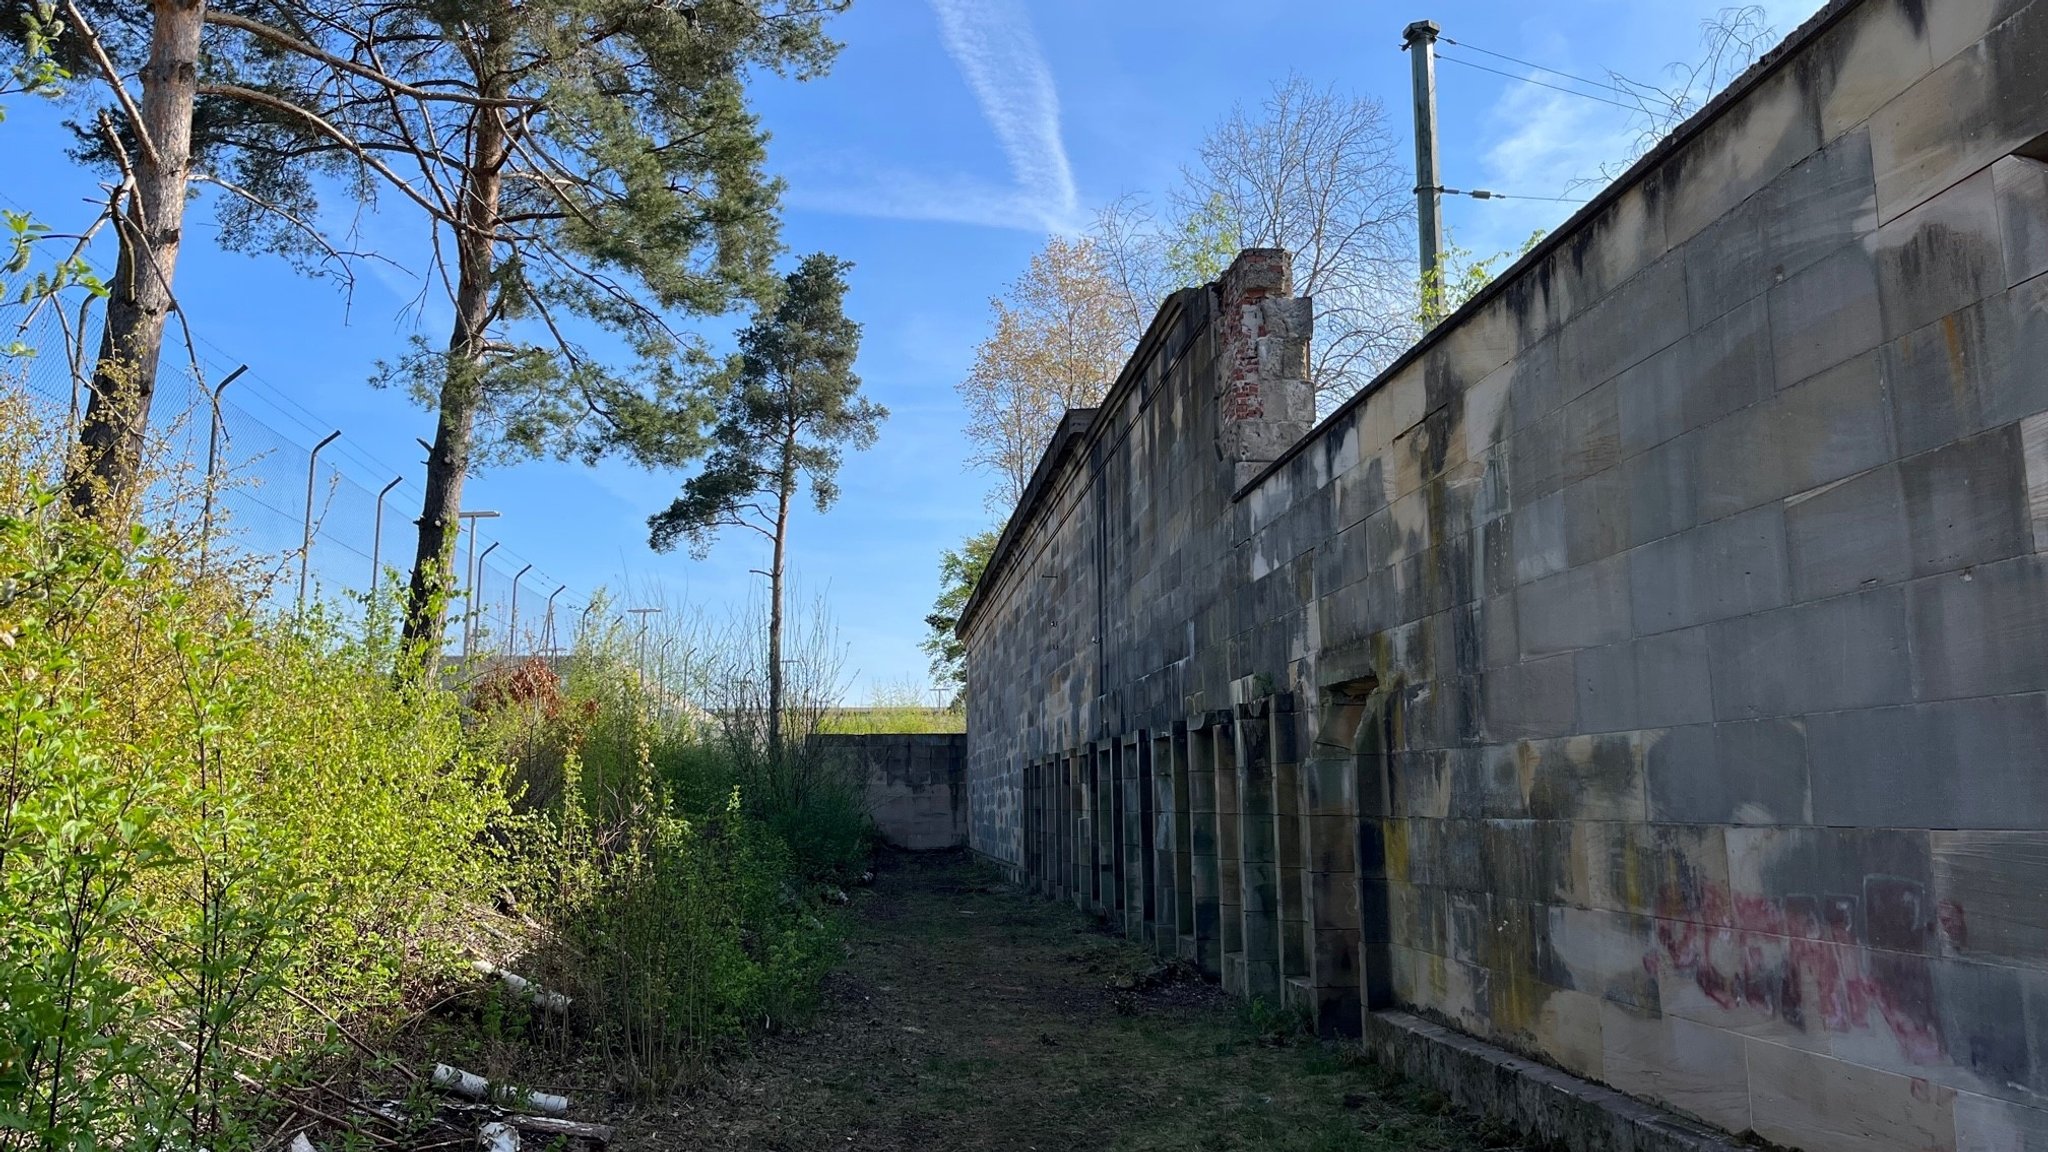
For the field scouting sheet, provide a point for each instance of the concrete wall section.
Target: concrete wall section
(1649, 673)
(916, 784)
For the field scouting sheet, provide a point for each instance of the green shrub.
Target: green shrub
(230, 833)
(223, 828)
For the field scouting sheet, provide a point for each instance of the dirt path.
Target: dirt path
(970, 1017)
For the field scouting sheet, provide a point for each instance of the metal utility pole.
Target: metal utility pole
(1420, 44)
(512, 628)
(306, 550)
(377, 538)
(213, 464)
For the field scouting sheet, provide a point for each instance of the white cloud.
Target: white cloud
(1542, 143)
(858, 190)
(993, 45)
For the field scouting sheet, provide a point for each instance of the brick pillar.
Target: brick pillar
(1264, 399)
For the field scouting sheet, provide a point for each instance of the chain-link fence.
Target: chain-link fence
(337, 523)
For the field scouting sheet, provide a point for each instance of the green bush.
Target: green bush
(230, 834)
(678, 887)
(222, 830)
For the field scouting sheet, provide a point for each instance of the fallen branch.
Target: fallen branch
(549, 1126)
(360, 1044)
(475, 1087)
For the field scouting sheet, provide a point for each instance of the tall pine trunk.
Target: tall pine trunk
(775, 568)
(139, 301)
(440, 523)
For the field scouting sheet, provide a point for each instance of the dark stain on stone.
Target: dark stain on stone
(1916, 15)
(1898, 913)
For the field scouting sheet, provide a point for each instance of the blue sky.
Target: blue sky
(949, 139)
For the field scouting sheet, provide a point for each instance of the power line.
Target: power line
(1541, 84)
(1614, 83)
(280, 401)
(1486, 194)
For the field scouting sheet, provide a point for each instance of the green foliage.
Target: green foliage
(1203, 241)
(895, 718)
(1458, 277)
(36, 71)
(36, 36)
(226, 834)
(792, 404)
(678, 874)
(222, 829)
(959, 573)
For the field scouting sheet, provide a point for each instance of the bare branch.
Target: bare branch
(365, 155)
(114, 81)
(285, 40)
(338, 258)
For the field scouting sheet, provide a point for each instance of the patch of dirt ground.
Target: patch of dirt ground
(971, 1016)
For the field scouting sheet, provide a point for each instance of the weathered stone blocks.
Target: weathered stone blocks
(1696, 583)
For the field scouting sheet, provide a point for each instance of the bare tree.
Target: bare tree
(1312, 170)
(1730, 41)
(1136, 261)
(1061, 335)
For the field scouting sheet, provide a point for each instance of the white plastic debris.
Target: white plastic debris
(474, 1087)
(547, 1001)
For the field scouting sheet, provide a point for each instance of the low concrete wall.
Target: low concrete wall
(917, 784)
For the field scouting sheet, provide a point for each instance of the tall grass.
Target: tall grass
(230, 837)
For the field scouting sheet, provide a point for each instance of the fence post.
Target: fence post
(476, 600)
(306, 551)
(212, 464)
(512, 626)
(547, 624)
(377, 539)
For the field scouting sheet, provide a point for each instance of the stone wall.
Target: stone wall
(916, 783)
(1649, 672)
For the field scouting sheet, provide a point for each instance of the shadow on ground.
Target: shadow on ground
(968, 1016)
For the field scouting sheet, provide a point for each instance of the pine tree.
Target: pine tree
(791, 407)
(581, 164)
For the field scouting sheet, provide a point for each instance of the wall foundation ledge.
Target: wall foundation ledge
(1537, 1099)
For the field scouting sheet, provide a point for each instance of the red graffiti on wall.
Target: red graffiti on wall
(1837, 960)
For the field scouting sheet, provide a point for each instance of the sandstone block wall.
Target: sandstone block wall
(1650, 671)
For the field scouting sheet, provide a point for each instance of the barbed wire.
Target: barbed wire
(363, 527)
